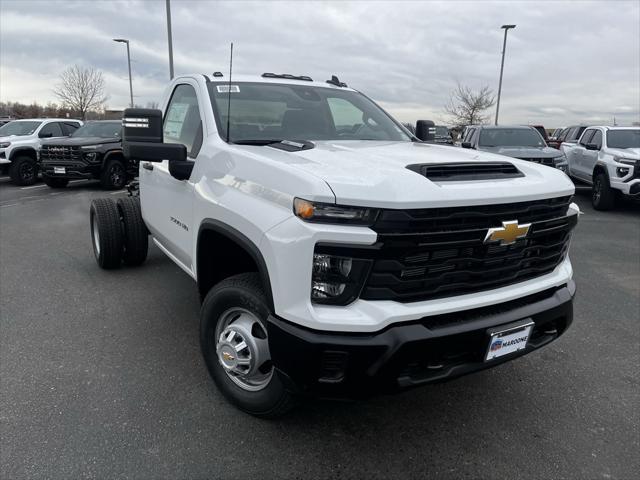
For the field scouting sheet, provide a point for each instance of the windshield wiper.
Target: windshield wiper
(287, 145)
(255, 141)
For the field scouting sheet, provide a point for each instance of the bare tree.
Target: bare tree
(467, 106)
(81, 89)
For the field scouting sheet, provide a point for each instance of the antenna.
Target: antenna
(229, 93)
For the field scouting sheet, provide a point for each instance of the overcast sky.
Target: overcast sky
(566, 62)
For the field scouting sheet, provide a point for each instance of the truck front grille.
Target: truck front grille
(542, 161)
(55, 153)
(434, 253)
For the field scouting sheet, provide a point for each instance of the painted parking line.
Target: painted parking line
(119, 191)
(33, 186)
(78, 181)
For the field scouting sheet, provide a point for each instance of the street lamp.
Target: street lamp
(123, 40)
(504, 47)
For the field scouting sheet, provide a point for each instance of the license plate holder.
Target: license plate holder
(508, 339)
(59, 170)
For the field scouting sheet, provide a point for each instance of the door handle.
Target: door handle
(147, 166)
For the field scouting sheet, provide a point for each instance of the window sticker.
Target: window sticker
(228, 88)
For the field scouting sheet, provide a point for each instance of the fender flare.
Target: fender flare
(242, 240)
(109, 154)
(18, 150)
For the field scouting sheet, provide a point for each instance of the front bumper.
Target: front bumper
(435, 348)
(75, 170)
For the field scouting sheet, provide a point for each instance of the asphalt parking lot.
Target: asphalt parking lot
(101, 375)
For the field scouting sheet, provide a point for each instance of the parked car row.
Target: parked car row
(62, 150)
(607, 158)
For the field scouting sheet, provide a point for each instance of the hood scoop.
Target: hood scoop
(465, 172)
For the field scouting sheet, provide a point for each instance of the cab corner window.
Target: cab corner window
(182, 122)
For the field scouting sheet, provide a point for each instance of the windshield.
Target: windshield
(442, 131)
(510, 137)
(623, 138)
(99, 129)
(263, 112)
(18, 128)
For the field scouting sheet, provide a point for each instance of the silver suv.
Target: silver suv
(521, 142)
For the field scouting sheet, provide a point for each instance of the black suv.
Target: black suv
(92, 151)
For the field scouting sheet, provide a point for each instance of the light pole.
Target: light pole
(504, 47)
(170, 40)
(123, 40)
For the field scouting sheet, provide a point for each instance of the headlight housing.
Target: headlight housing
(626, 161)
(5, 144)
(337, 279)
(90, 147)
(331, 213)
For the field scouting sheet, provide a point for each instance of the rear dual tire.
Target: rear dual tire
(118, 232)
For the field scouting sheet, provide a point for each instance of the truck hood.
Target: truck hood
(374, 173)
(633, 153)
(16, 138)
(524, 152)
(80, 141)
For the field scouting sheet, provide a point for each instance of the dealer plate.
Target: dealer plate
(508, 339)
(59, 170)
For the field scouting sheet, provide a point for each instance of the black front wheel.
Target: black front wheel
(114, 175)
(234, 343)
(23, 171)
(603, 197)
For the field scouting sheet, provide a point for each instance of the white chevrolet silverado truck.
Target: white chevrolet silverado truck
(608, 159)
(335, 253)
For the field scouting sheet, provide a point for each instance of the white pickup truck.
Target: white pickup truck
(608, 159)
(20, 142)
(335, 253)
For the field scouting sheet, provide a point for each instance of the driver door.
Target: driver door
(167, 203)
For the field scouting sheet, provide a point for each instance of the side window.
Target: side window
(69, 127)
(467, 134)
(578, 132)
(597, 139)
(182, 122)
(585, 139)
(50, 130)
(474, 136)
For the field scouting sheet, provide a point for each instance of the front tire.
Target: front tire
(55, 182)
(106, 233)
(234, 343)
(114, 175)
(136, 236)
(603, 197)
(23, 171)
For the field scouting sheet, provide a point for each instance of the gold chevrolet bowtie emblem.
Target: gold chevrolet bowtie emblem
(508, 233)
(227, 356)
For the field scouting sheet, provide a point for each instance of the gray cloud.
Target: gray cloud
(566, 61)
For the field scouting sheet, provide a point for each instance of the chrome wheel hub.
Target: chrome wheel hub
(243, 350)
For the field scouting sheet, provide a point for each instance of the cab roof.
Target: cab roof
(276, 80)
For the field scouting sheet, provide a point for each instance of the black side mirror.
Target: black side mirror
(45, 135)
(142, 125)
(154, 152)
(466, 145)
(181, 169)
(426, 130)
(592, 146)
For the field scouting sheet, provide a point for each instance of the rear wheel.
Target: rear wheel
(23, 170)
(136, 236)
(233, 338)
(114, 175)
(106, 233)
(603, 197)
(55, 182)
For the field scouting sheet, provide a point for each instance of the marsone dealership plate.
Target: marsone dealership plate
(508, 339)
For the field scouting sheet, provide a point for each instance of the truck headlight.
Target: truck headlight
(5, 144)
(330, 213)
(560, 163)
(337, 280)
(91, 156)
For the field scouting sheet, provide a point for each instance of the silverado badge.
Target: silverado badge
(508, 233)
